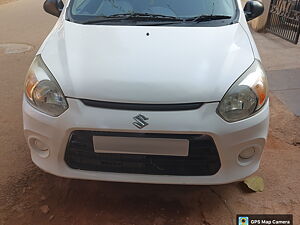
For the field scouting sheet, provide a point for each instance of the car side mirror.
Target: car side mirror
(253, 9)
(52, 8)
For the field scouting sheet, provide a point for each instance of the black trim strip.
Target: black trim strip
(141, 107)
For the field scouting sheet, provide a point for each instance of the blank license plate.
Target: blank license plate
(142, 146)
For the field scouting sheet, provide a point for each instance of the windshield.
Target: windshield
(83, 10)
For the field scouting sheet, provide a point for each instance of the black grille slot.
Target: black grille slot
(203, 158)
(142, 107)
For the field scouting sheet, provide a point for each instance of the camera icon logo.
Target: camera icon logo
(243, 221)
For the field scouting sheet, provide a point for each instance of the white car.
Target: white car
(161, 91)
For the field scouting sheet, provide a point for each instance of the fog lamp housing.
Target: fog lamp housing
(247, 153)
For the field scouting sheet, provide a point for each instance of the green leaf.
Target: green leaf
(255, 183)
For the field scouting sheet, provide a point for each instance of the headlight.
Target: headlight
(42, 91)
(246, 96)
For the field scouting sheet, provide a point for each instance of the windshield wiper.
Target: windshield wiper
(126, 16)
(100, 19)
(145, 15)
(203, 18)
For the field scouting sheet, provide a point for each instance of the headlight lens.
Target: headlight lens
(246, 96)
(42, 90)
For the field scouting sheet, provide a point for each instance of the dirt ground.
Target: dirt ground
(29, 196)
(6, 1)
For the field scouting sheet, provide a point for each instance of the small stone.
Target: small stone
(43, 197)
(44, 209)
(51, 217)
(296, 141)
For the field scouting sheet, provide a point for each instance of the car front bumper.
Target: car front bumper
(229, 138)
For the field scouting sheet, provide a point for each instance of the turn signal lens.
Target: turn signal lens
(30, 84)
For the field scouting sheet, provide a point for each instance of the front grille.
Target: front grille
(142, 107)
(203, 158)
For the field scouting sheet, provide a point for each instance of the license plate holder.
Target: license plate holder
(141, 146)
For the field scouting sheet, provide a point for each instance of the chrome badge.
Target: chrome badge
(140, 121)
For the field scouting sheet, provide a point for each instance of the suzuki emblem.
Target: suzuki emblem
(140, 121)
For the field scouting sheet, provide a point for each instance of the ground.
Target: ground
(29, 196)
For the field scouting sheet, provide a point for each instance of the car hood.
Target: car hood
(146, 64)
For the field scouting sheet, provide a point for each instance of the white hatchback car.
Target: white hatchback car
(152, 91)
